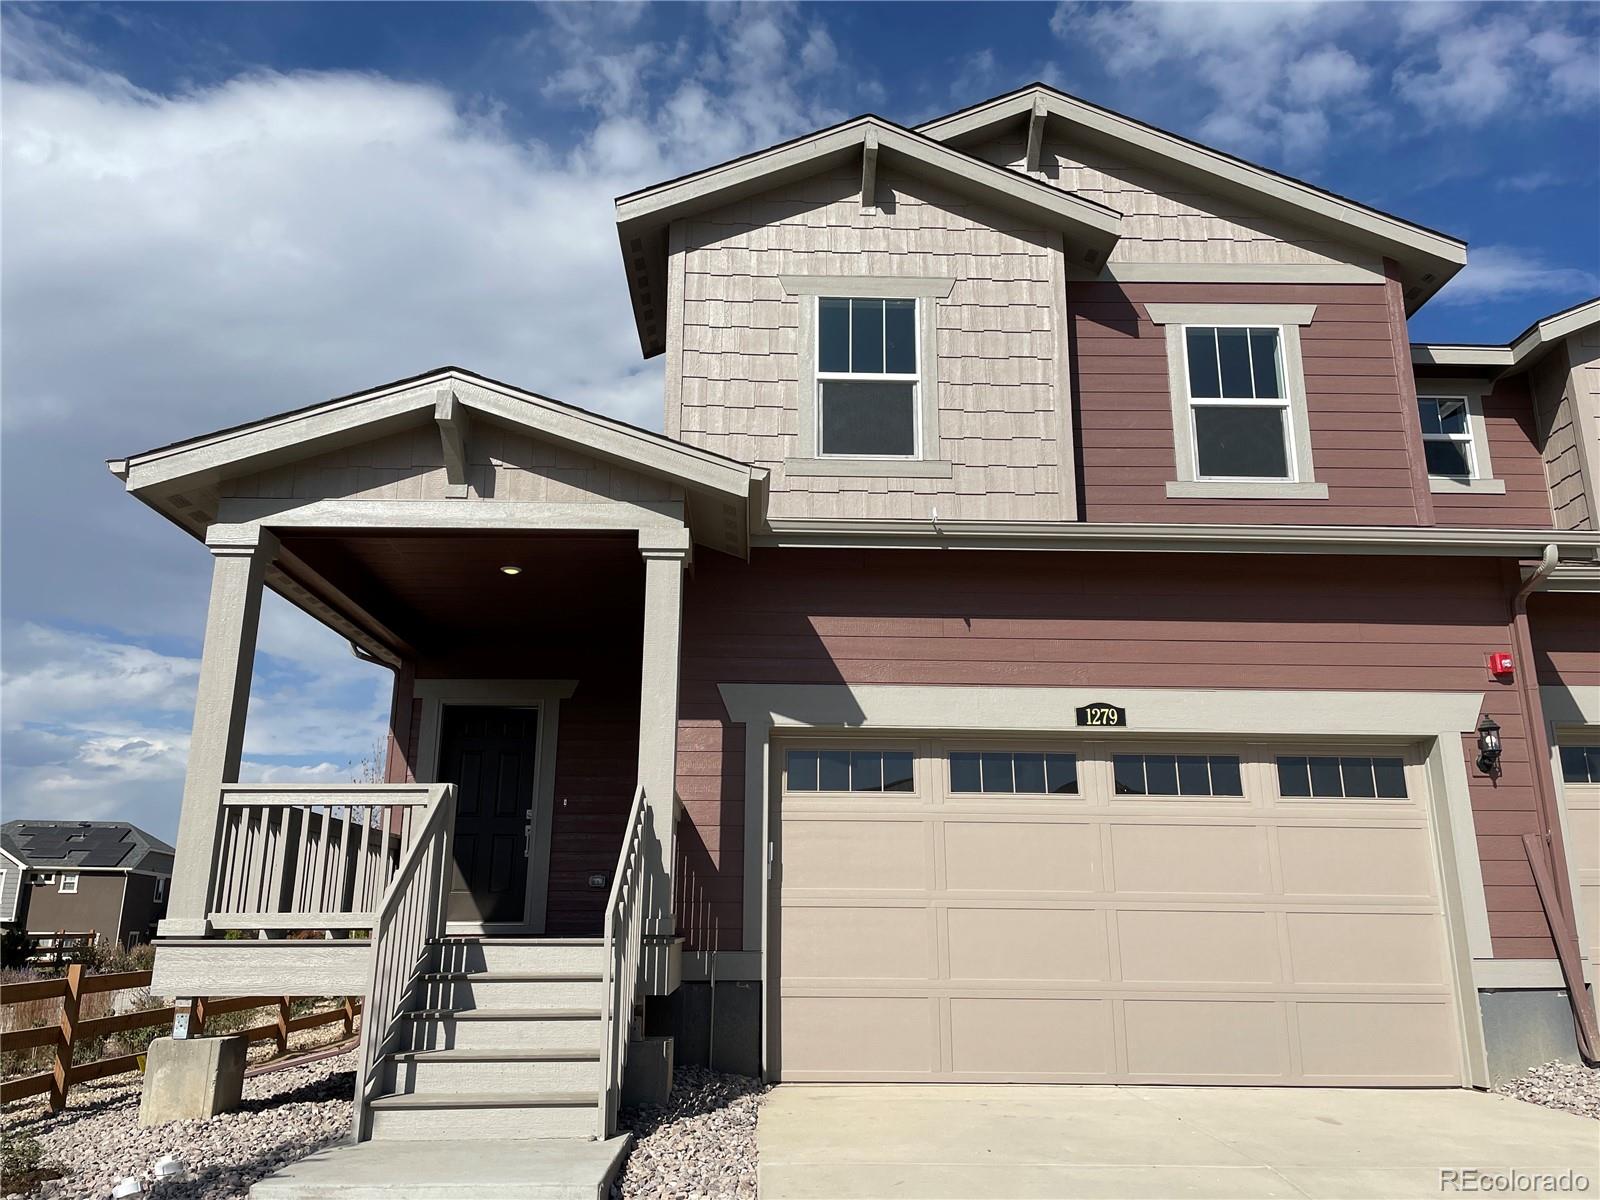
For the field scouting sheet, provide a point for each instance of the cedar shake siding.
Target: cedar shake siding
(1359, 437)
(737, 391)
(1556, 385)
(1086, 620)
(1165, 220)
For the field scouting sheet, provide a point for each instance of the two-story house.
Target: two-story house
(108, 879)
(1065, 632)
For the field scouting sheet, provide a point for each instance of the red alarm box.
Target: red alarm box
(1500, 663)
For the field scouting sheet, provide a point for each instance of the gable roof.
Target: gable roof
(1522, 351)
(1427, 258)
(89, 845)
(644, 216)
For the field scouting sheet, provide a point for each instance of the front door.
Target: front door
(488, 753)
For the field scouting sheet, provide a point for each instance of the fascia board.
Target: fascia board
(1423, 355)
(374, 413)
(802, 159)
(1396, 238)
(1152, 537)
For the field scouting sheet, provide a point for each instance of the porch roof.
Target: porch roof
(181, 480)
(471, 422)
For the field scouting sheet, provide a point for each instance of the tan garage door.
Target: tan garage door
(959, 911)
(1580, 774)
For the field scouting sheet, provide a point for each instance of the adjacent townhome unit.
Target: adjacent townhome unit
(1066, 632)
(105, 878)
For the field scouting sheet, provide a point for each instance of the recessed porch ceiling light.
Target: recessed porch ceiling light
(510, 569)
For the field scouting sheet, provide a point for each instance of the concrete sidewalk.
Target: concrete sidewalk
(959, 1142)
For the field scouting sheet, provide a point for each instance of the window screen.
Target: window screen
(867, 376)
(1238, 402)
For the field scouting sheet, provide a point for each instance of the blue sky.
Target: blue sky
(214, 212)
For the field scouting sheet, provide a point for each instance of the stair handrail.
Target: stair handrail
(411, 914)
(624, 959)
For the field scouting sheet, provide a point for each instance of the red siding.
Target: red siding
(1515, 458)
(1566, 639)
(977, 618)
(1354, 401)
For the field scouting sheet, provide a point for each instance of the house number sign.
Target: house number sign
(1105, 716)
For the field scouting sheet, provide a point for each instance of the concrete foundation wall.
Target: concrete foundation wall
(1525, 1027)
(725, 1035)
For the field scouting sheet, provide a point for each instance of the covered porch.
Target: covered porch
(518, 565)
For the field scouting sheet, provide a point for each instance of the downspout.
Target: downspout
(1546, 850)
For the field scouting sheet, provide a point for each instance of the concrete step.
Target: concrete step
(510, 989)
(487, 1116)
(578, 1168)
(520, 954)
(496, 1070)
(503, 1029)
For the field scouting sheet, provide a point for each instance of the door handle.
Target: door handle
(527, 838)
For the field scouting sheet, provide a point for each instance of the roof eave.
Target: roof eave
(1427, 258)
(644, 217)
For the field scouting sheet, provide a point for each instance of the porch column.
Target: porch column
(240, 556)
(665, 554)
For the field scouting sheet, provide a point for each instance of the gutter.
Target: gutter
(1546, 850)
(1170, 537)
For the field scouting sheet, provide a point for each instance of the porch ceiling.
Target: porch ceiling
(440, 596)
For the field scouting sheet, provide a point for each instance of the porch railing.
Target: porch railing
(312, 856)
(410, 914)
(624, 963)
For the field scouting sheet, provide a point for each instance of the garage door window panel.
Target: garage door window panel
(1008, 773)
(1177, 775)
(849, 771)
(1341, 777)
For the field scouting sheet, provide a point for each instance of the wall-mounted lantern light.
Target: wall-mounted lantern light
(1488, 745)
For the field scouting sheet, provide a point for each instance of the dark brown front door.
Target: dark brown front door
(488, 753)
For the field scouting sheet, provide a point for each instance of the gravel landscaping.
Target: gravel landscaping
(286, 1115)
(700, 1146)
(1567, 1086)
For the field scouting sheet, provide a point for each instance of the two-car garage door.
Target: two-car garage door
(1108, 912)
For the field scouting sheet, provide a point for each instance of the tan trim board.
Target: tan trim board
(1569, 708)
(1189, 272)
(1435, 718)
(1174, 537)
(542, 694)
(503, 516)
(218, 967)
(1519, 973)
(1432, 719)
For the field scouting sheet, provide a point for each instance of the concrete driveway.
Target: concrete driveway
(956, 1142)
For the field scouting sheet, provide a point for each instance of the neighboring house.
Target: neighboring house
(1065, 633)
(108, 878)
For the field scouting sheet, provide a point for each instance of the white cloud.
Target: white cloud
(1271, 79)
(1527, 181)
(180, 261)
(1505, 272)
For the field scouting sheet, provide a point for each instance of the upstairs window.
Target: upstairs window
(867, 377)
(69, 885)
(1238, 404)
(1447, 437)
(161, 888)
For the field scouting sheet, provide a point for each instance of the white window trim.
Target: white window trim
(71, 876)
(1287, 319)
(924, 463)
(914, 379)
(1482, 480)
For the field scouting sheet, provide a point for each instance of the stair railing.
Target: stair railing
(624, 960)
(410, 915)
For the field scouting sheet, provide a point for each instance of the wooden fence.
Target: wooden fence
(69, 1030)
(56, 950)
